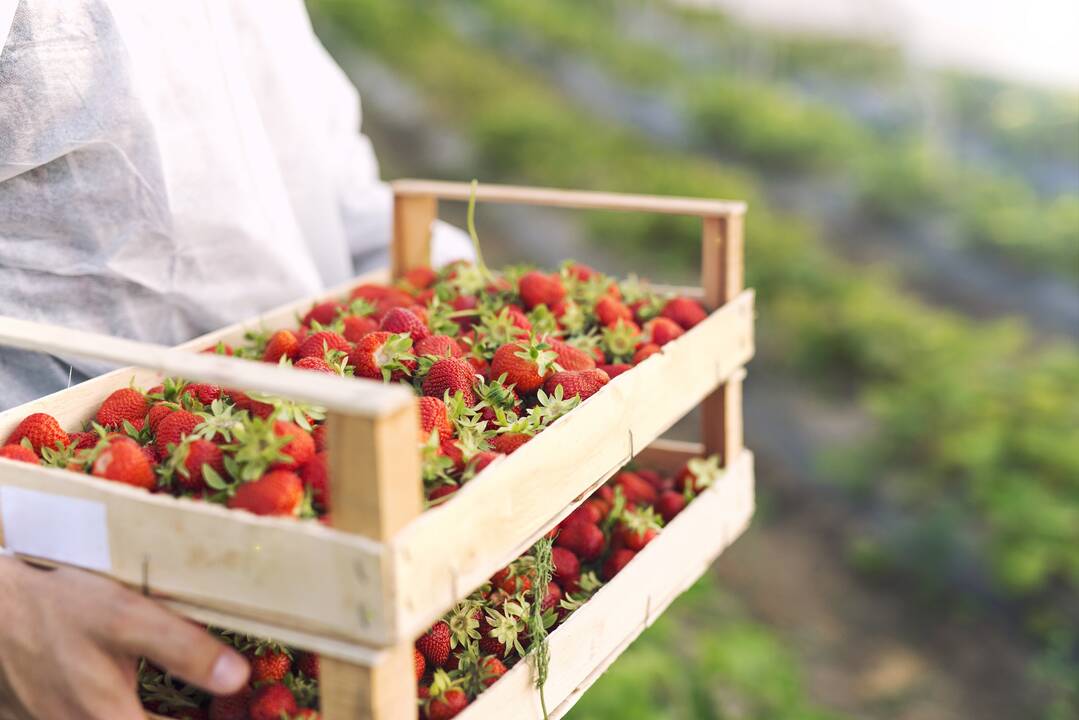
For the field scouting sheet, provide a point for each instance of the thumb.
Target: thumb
(146, 629)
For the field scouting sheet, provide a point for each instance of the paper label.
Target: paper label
(54, 527)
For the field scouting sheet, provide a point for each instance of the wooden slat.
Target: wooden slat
(412, 219)
(669, 456)
(448, 551)
(281, 570)
(579, 199)
(597, 633)
(354, 395)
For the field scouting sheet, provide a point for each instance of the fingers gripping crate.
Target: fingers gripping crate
(358, 593)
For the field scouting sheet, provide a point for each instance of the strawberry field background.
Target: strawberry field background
(913, 237)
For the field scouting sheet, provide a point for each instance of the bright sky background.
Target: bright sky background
(1029, 39)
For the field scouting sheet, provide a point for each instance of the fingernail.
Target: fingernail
(229, 673)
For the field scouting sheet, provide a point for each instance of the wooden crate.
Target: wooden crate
(358, 593)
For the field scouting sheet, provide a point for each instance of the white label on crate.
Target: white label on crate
(54, 527)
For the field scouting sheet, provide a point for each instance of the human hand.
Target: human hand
(70, 642)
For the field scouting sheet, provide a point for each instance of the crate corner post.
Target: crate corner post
(413, 217)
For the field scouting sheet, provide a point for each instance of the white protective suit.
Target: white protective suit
(171, 166)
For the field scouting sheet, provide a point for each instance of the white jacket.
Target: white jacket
(170, 166)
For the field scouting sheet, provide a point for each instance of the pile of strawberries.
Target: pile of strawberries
(495, 358)
(483, 636)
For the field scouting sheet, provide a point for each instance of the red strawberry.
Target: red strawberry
(506, 443)
(382, 355)
(451, 375)
(464, 302)
(440, 492)
(447, 705)
(615, 369)
(282, 343)
(399, 320)
(525, 365)
(42, 430)
(583, 539)
(420, 278)
(278, 492)
(482, 459)
(200, 452)
(492, 669)
(323, 313)
(269, 666)
(580, 272)
(272, 702)
(315, 364)
(123, 461)
(570, 358)
(537, 288)
(85, 440)
(567, 568)
(586, 513)
(685, 311)
(644, 352)
(440, 346)
(203, 392)
(582, 383)
(20, 453)
(300, 447)
(155, 415)
(381, 295)
(123, 404)
(356, 327)
(636, 490)
(638, 528)
(616, 562)
(435, 644)
(173, 428)
(610, 310)
(662, 330)
(307, 663)
(419, 662)
(317, 345)
(670, 503)
(244, 402)
(231, 707)
(553, 596)
(433, 416)
(315, 474)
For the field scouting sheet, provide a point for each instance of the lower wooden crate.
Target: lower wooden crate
(586, 644)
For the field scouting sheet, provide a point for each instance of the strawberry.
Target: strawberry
(506, 443)
(202, 392)
(610, 310)
(579, 383)
(492, 669)
(586, 513)
(271, 702)
(616, 562)
(440, 492)
(399, 320)
(685, 311)
(42, 430)
(662, 330)
(644, 352)
(157, 413)
(318, 344)
(383, 356)
(419, 278)
(123, 404)
(434, 417)
(525, 364)
(442, 346)
(583, 539)
(636, 490)
(307, 663)
(278, 492)
(580, 272)
(435, 644)
(123, 461)
(451, 375)
(20, 453)
(231, 707)
(419, 662)
(315, 474)
(570, 358)
(356, 327)
(300, 447)
(323, 313)
(465, 302)
(615, 369)
(173, 428)
(447, 705)
(269, 665)
(282, 344)
(536, 288)
(199, 453)
(84, 440)
(315, 364)
(699, 474)
(567, 568)
(637, 528)
(482, 459)
(669, 504)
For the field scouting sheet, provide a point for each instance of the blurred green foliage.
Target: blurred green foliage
(975, 424)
